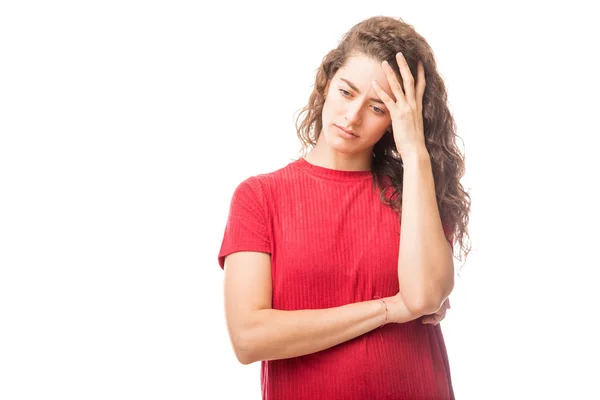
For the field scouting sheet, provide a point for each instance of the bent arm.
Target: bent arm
(259, 332)
(274, 334)
(425, 260)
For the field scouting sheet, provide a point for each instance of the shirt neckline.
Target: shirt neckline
(332, 174)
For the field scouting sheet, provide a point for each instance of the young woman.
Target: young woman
(338, 267)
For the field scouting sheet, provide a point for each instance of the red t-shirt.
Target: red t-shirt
(333, 242)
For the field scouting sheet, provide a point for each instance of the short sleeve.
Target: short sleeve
(247, 226)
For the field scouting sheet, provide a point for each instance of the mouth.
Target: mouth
(346, 131)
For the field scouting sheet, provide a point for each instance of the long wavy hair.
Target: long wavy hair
(381, 38)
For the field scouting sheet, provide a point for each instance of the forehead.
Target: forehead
(361, 69)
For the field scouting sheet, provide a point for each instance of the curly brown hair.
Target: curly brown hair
(381, 38)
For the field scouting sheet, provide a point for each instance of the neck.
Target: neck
(328, 157)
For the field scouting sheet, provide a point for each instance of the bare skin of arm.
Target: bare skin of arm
(259, 332)
(425, 263)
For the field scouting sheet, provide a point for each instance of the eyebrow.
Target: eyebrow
(376, 100)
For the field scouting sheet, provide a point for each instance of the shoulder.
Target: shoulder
(264, 186)
(277, 178)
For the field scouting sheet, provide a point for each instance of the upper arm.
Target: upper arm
(247, 289)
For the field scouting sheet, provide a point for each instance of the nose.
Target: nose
(353, 116)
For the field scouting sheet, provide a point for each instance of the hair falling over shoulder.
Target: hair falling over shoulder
(381, 37)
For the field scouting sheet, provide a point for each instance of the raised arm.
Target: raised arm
(259, 332)
(425, 260)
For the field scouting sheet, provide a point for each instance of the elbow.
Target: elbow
(430, 299)
(246, 337)
(243, 356)
(243, 349)
(424, 306)
(418, 306)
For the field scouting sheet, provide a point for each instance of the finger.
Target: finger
(448, 300)
(428, 319)
(408, 79)
(393, 81)
(421, 83)
(387, 100)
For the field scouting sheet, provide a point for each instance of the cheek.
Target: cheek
(382, 123)
(326, 113)
(377, 129)
(333, 108)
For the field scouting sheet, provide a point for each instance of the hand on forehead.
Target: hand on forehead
(359, 71)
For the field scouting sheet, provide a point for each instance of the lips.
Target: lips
(347, 131)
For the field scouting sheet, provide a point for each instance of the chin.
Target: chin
(337, 143)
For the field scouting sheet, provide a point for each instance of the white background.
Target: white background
(125, 127)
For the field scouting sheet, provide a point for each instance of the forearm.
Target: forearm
(425, 261)
(277, 334)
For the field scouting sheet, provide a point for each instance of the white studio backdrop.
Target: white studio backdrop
(126, 125)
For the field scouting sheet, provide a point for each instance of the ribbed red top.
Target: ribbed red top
(332, 242)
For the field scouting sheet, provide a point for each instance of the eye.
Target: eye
(345, 92)
(378, 110)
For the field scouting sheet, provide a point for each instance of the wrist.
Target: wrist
(418, 153)
(383, 308)
(386, 312)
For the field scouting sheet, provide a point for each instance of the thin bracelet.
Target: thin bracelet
(385, 305)
(386, 312)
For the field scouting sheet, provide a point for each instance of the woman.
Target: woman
(338, 267)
